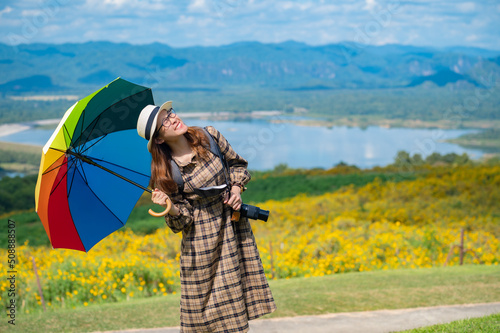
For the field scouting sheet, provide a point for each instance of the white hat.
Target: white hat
(166, 106)
(146, 124)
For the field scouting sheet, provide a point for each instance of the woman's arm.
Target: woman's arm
(180, 215)
(238, 173)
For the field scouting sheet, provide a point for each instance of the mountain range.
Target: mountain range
(29, 68)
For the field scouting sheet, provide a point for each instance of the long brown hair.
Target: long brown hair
(161, 170)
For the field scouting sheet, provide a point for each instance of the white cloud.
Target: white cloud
(198, 6)
(128, 3)
(370, 5)
(135, 8)
(51, 29)
(383, 40)
(78, 23)
(192, 22)
(32, 12)
(480, 22)
(186, 20)
(118, 3)
(290, 5)
(328, 8)
(466, 7)
(471, 38)
(218, 22)
(6, 10)
(411, 38)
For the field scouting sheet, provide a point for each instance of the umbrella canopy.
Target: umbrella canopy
(94, 167)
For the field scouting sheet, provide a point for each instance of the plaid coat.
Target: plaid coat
(223, 284)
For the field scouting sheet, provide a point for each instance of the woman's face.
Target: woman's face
(169, 127)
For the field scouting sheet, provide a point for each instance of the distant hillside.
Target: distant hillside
(443, 77)
(34, 83)
(287, 66)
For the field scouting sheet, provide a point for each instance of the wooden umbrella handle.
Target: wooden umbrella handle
(165, 212)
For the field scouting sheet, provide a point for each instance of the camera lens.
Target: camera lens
(253, 212)
(263, 215)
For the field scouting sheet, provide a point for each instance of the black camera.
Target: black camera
(254, 213)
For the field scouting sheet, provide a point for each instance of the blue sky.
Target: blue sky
(220, 22)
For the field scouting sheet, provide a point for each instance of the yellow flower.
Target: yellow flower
(378, 226)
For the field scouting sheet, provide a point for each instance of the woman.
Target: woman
(223, 284)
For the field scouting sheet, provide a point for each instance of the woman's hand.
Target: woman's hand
(160, 198)
(233, 198)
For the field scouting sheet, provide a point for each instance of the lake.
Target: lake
(266, 143)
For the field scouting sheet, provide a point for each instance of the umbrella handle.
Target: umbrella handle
(165, 212)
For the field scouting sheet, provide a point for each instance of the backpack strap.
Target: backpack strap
(214, 148)
(176, 175)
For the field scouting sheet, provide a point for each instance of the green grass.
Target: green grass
(265, 186)
(350, 292)
(29, 229)
(21, 148)
(283, 187)
(487, 140)
(20, 157)
(487, 324)
(17, 194)
(394, 289)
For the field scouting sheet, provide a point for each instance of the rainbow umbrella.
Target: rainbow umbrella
(94, 167)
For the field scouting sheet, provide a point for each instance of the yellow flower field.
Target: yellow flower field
(121, 267)
(408, 224)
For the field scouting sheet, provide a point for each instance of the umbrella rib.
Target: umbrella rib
(68, 160)
(77, 161)
(121, 167)
(88, 160)
(137, 93)
(60, 181)
(58, 166)
(71, 213)
(83, 174)
(73, 178)
(92, 145)
(114, 164)
(98, 198)
(79, 138)
(84, 112)
(69, 135)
